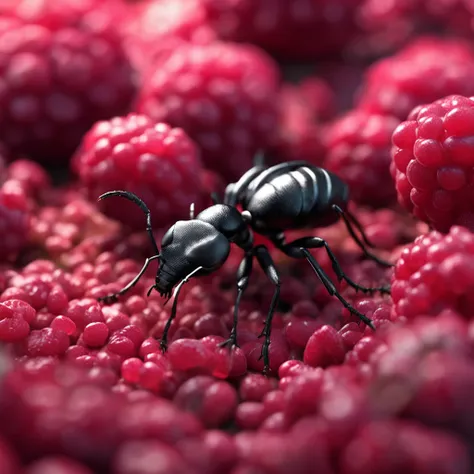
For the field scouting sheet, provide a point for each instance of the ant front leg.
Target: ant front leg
(266, 263)
(243, 274)
(114, 296)
(317, 242)
(164, 337)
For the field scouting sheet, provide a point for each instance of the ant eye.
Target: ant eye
(168, 237)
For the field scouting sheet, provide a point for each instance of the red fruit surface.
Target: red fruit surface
(57, 465)
(325, 347)
(158, 163)
(223, 95)
(14, 219)
(62, 70)
(433, 164)
(299, 134)
(358, 151)
(136, 457)
(213, 402)
(152, 26)
(434, 273)
(254, 387)
(293, 29)
(185, 354)
(9, 461)
(47, 342)
(391, 447)
(417, 75)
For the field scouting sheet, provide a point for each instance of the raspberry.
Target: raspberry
(14, 219)
(8, 459)
(186, 354)
(254, 387)
(95, 334)
(299, 136)
(150, 376)
(452, 17)
(401, 446)
(157, 162)
(358, 150)
(20, 308)
(303, 395)
(222, 449)
(131, 369)
(432, 162)
(278, 353)
(325, 347)
(47, 342)
(293, 29)
(15, 319)
(226, 363)
(213, 402)
(57, 465)
(62, 71)
(272, 452)
(159, 419)
(223, 95)
(250, 415)
(152, 25)
(299, 330)
(434, 274)
(138, 456)
(319, 96)
(121, 346)
(34, 179)
(416, 75)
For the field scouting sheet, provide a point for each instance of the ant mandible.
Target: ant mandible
(287, 196)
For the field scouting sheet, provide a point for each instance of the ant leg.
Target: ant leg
(326, 281)
(114, 296)
(268, 266)
(191, 211)
(316, 242)
(135, 199)
(350, 220)
(259, 158)
(243, 275)
(215, 198)
(164, 337)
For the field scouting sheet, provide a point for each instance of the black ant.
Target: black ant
(292, 195)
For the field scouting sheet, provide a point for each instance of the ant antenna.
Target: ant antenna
(135, 199)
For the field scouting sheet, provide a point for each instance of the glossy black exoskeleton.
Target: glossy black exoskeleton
(287, 196)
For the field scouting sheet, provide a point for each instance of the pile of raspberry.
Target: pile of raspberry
(173, 100)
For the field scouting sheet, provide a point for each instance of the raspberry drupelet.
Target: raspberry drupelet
(434, 273)
(159, 163)
(427, 69)
(433, 162)
(14, 219)
(358, 150)
(223, 95)
(61, 71)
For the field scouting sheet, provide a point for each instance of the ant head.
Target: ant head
(186, 246)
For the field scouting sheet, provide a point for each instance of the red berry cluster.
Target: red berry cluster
(172, 100)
